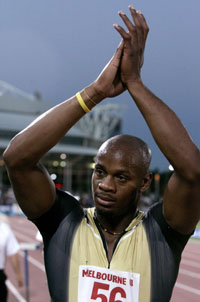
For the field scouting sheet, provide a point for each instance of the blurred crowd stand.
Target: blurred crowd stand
(8, 203)
(86, 200)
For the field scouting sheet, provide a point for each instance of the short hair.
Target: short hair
(132, 144)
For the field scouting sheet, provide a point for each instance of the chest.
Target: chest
(129, 253)
(111, 242)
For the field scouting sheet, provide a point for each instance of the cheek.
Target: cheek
(128, 196)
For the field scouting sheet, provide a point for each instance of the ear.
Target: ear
(146, 181)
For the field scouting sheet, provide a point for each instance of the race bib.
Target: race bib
(97, 284)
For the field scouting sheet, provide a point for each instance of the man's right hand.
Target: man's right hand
(134, 44)
(108, 83)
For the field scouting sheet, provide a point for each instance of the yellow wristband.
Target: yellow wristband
(82, 103)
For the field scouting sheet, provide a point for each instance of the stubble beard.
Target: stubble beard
(108, 214)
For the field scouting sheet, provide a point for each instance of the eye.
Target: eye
(99, 171)
(122, 178)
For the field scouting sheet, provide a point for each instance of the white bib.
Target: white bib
(97, 284)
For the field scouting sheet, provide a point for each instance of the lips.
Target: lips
(104, 199)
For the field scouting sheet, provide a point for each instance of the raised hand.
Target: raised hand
(133, 45)
(108, 83)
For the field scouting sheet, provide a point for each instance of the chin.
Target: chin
(105, 211)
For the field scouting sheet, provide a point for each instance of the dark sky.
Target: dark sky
(57, 47)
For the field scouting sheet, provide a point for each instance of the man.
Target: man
(9, 248)
(111, 252)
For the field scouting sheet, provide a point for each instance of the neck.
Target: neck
(114, 225)
(111, 232)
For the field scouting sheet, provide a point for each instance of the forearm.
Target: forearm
(33, 142)
(167, 130)
(16, 267)
(15, 263)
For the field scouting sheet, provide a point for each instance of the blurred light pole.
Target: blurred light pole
(171, 168)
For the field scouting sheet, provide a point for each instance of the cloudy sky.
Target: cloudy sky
(57, 47)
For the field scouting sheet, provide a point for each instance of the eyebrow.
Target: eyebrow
(120, 171)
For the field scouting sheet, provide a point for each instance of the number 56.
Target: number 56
(113, 293)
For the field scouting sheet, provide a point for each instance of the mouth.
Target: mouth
(104, 200)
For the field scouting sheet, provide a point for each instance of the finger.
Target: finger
(115, 60)
(122, 32)
(144, 25)
(119, 50)
(140, 21)
(136, 16)
(127, 21)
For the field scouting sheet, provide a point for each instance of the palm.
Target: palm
(109, 83)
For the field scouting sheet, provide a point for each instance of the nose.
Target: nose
(107, 184)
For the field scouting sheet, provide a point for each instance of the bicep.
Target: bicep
(34, 190)
(182, 204)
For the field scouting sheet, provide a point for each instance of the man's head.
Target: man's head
(121, 174)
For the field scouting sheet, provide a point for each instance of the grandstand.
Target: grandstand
(70, 161)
